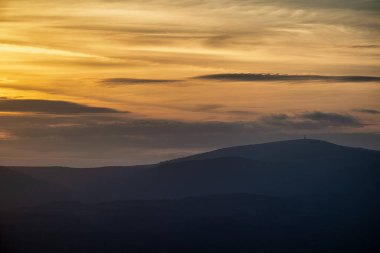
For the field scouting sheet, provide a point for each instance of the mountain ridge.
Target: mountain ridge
(296, 143)
(293, 167)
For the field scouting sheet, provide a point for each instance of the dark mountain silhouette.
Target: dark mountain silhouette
(290, 196)
(85, 182)
(282, 168)
(302, 150)
(286, 168)
(17, 189)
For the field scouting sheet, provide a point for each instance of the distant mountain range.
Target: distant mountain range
(290, 196)
(286, 168)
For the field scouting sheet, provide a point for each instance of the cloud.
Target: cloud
(279, 119)
(369, 111)
(49, 107)
(134, 81)
(312, 120)
(365, 46)
(166, 35)
(43, 51)
(364, 5)
(155, 132)
(206, 107)
(334, 119)
(241, 112)
(115, 139)
(371, 5)
(248, 77)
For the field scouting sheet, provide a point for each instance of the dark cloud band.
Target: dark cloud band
(369, 111)
(49, 107)
(332, 118)
(312, 120)
(133, 81)
(248, 77)
(119, 139)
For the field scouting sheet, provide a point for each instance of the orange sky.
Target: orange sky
(73, 51)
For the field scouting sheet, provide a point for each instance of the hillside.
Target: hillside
(287, 168)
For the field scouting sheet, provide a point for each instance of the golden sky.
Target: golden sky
(98, 82)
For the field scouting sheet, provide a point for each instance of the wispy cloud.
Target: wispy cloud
(333, 119)
(133, 81)
(312, 120)
(369, 111)
(366, 46)
(70, 137)
(44, 51)
(49, 107)
(248, 77)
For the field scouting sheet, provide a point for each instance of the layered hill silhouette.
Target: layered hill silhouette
(17, 189)
(286, 168)
(213, 223)
(289, 196)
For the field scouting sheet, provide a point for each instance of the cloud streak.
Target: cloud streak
(71, 139)
(312, 120)
(248, 77)
(163, 132)
(134, 81)
(49, 107)
(333, 119)
(369, 111)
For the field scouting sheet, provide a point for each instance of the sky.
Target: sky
(122, 82)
